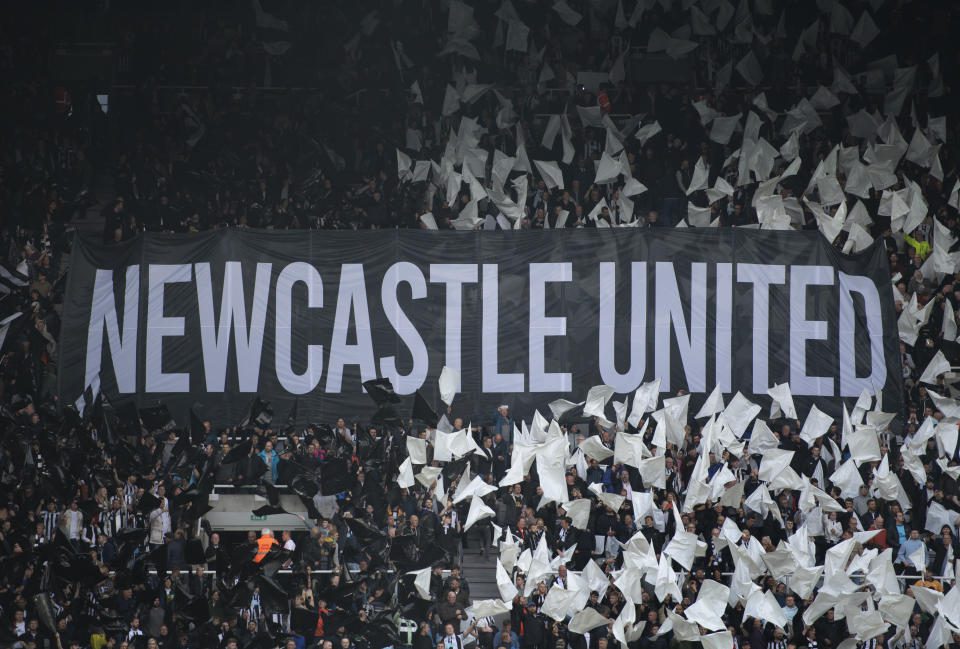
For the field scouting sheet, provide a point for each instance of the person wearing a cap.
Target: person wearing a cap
(503, 424)
(264, 544)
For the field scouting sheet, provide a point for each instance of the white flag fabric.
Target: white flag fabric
(739, 413)
(597, 398)
(607, 170)
(749, 68)
(417, 450)
(653, 472)
(815, 426)
(644, 401)
(567, 14)
(823, 99)
(865, 30)
(579, 512)
(449, 384)
(478, 511)
(504, 584)
(847, 478)
(268, 21)
(488, 608)
(404, 165)
(804, 580)
(590, 116)
(763, 606)
(647, 131)
(556, 604)
(405, 479)
(422, 582)
(550, 172)
(421, 171)
(428, 474)
(416, 92)
(713, 404)
(81, 403)
(708, 610)
(781, 395)
(723, 128)
(700, 177)
(5, 327)
(938, 365)
(451, 101)
(561, 406)
(719, 640)
(586, 620)
(517, 35)
(592, 447)
(864, 445)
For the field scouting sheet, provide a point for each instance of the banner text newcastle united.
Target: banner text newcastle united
(526, 317)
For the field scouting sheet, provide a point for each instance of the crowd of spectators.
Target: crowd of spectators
(212, 124)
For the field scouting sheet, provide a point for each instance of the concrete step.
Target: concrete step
(481, 573)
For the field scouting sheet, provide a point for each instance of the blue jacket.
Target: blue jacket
(503, 425)
(273, 463)
(909, 547)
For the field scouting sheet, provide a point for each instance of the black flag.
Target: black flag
(197, 431)
(423, 412)
(381, 391)
(260, 415)
(157, 419)
(237, 453)
(292, 416)
(45, 611)
(386, 415)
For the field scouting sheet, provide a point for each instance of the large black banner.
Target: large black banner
(527, 317)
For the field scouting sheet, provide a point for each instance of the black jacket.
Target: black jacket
(940, 553)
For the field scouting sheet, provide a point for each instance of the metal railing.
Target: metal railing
(943, 579)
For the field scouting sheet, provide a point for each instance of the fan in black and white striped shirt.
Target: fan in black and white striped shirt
(778, 640)
(130, 492)
(116, 519)
(51, 520)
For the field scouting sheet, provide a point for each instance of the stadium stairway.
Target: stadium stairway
(481, 573)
